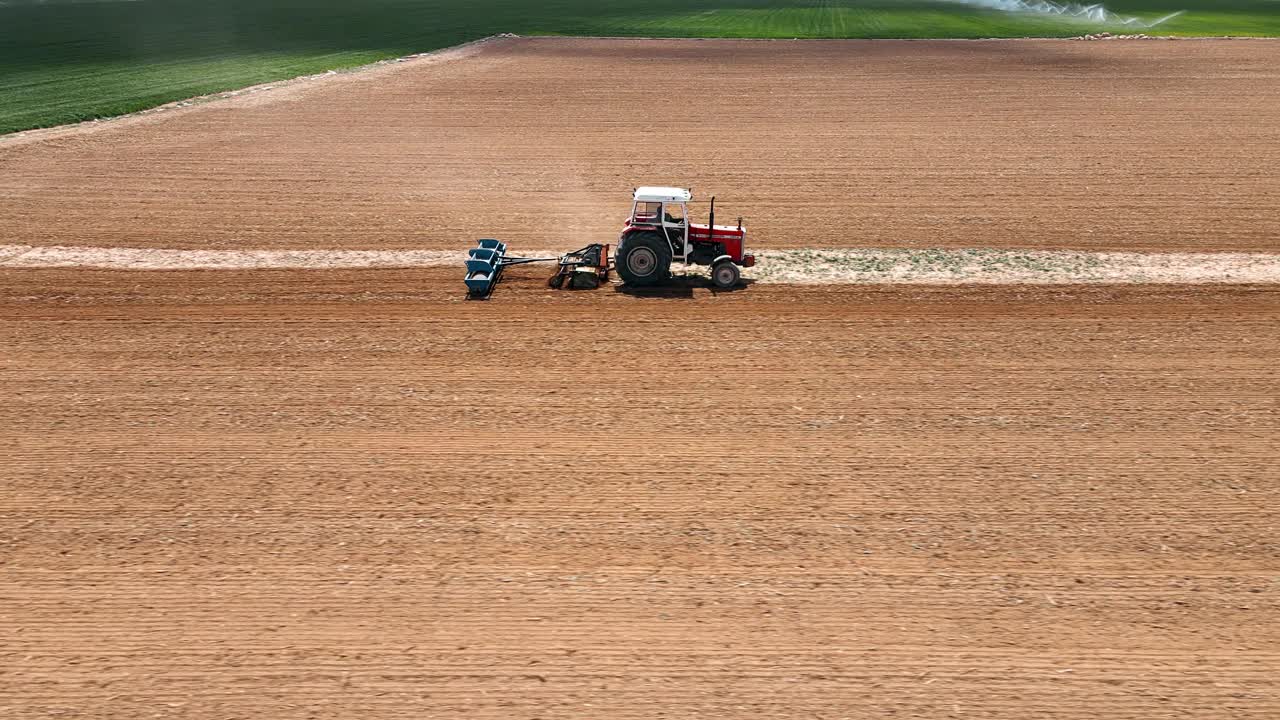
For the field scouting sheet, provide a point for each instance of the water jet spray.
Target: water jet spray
(1096, 13)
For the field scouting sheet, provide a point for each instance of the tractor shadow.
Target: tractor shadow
(681, 288)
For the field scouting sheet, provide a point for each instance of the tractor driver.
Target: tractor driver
(672, 219)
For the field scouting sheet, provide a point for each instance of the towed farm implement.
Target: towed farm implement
(587, 267)
(656, 234)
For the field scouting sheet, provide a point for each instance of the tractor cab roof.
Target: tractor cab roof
(662, 194)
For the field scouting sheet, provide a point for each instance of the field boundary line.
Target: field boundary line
(1022, 39)
(835, 266)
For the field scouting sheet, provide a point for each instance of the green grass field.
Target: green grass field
(67, 60)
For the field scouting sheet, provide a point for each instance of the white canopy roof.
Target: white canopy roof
(662, 194)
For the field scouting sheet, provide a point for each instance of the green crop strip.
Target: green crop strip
(64, 61)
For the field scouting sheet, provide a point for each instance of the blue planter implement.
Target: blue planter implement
(486, 262)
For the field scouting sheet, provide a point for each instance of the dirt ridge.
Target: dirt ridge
(798, 266)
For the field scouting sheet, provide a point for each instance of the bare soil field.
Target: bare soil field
(293, 493)
(1122, 145)
(296, 494)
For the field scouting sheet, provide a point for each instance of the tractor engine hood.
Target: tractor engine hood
(721, 232)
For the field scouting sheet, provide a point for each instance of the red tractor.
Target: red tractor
(659, 233)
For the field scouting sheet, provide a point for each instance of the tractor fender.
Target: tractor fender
(721, 257)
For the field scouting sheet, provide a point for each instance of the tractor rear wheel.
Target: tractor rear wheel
(725, 274)
(644, 259)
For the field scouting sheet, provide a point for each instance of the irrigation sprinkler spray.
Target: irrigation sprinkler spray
(1091, 13)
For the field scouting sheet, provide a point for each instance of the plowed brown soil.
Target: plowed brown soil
(1053, 144)
(350, 494)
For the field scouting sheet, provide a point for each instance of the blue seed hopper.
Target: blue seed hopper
(484, 264)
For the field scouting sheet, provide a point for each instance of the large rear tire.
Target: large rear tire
(644, 259)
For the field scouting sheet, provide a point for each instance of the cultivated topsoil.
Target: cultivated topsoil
(295, 494)
(1122, 145)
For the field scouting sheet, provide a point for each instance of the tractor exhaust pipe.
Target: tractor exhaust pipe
(711, 234)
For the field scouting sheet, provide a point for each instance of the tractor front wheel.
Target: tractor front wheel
(644, 259)
(725, 274)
